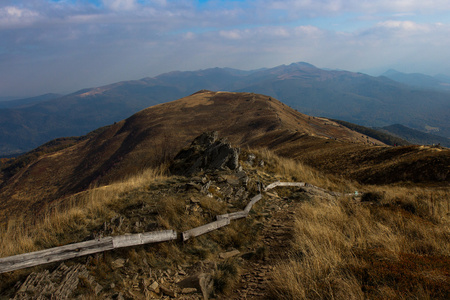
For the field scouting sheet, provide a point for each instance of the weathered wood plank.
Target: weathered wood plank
(143, 238)
(233, 216)
(252, 202)
(204, 229)
(275, 184)
(36, 258)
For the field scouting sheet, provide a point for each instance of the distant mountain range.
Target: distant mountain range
(353, 97)
(438, 82)
(22, 103)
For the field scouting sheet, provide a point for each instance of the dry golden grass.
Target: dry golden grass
(394, 244)
(396, 248)
(295, 171)
(72, 218)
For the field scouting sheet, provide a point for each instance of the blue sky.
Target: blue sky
(61, 46)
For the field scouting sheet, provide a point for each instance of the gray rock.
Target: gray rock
(201, 282)
(206, 153)
(250, 159)
(118, 263)
(154, 287)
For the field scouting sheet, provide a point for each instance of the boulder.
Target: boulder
(206, 153)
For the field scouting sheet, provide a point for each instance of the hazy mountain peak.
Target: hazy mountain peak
(391, 72)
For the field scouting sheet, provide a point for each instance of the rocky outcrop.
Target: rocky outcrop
(206, 153)
(59, 284)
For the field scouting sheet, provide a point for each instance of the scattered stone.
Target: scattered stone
(201, 282)
(232, 180)
(193, 200)
(154, 287)
(118, 263)
(250, 159)
(205, 188)
(168, 292)
(59, 284)
(189, 290)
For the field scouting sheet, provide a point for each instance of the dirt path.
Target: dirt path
(276, 236)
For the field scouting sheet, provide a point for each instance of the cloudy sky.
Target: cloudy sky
(64, 45)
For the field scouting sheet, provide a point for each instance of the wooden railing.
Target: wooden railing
(21, 261)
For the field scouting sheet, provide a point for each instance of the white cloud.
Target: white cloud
(403, 25)
(319, 7)
(120, 5)
(12, 16)
(127, 39)
(309, 30)
(231, 34)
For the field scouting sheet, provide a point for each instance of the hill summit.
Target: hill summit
(244, 224)
(156, 134)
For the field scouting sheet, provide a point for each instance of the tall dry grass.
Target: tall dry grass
(291, 170)
(72, 218)
(398, 247)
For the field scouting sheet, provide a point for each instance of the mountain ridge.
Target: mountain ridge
(438, 82)
(155, 134)
(351, 97)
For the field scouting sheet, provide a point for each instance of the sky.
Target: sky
(61, 46)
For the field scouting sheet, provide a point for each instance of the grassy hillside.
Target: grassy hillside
(391, 243)
(386, 138)
(156, 134)
(415, 136)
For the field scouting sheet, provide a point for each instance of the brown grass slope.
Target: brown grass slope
(155, 134)
(296, 243)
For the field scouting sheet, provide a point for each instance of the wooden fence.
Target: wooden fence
(17, 262)
(36, 258)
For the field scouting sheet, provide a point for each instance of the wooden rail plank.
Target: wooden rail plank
(143, 238)
(233, 216)
(275, 184)
(252, 202)
(37, 258)
(32, 259)
(205, 229)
